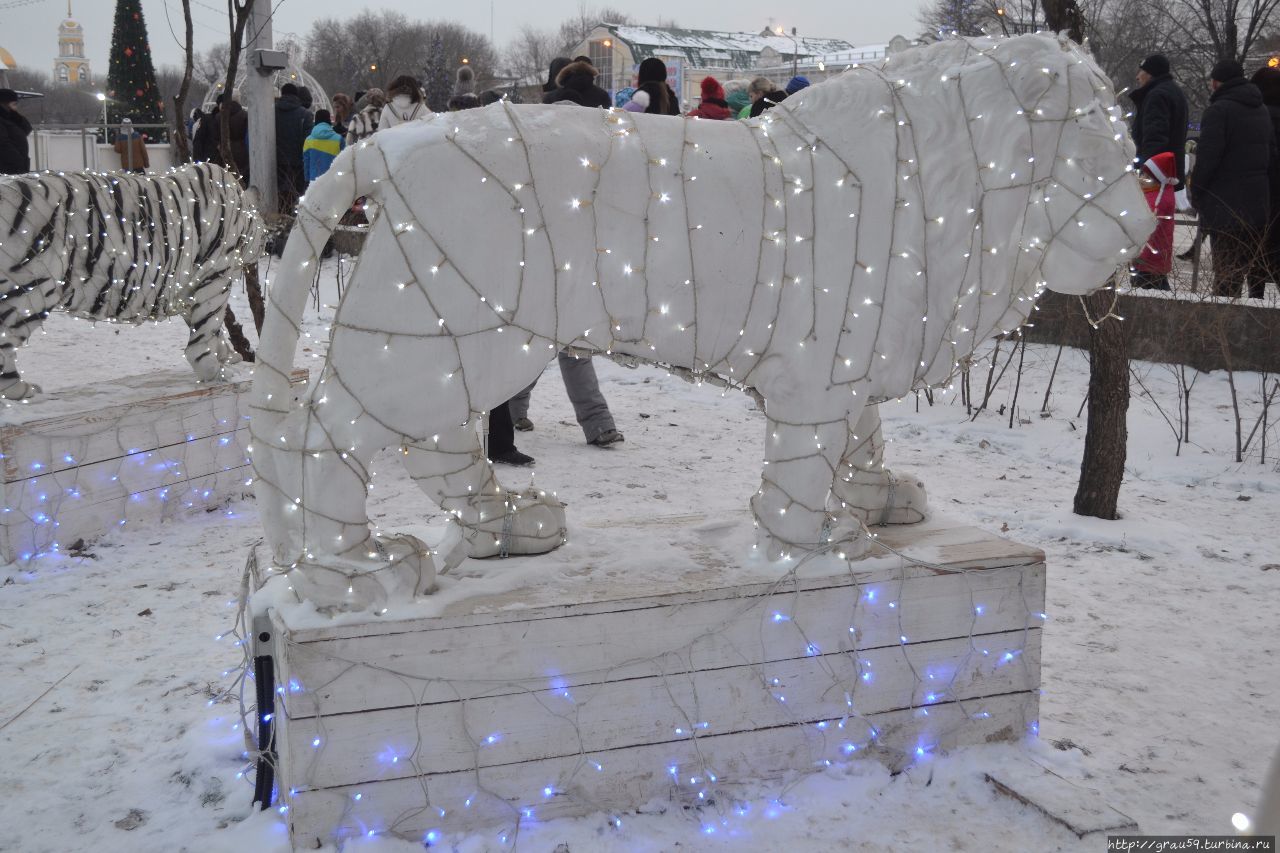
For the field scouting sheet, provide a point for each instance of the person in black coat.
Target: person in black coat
(1228, 184)
(557, 65)
(1159, 114)
(576, 83)
(653, 73)
(15, 154)
(293, 125)
(1268, 82)
(204, 144)
(764, 94)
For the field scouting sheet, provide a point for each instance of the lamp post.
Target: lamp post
(103, 98)
(795, 49)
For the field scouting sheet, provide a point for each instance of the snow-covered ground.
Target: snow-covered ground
(1161, 664)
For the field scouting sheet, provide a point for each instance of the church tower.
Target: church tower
(71, 66)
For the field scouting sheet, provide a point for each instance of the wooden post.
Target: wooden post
(259, 96)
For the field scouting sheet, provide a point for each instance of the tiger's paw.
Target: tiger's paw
(19, 391)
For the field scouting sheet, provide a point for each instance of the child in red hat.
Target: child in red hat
(1158, 176)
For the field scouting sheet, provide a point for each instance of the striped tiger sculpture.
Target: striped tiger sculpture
(124, 248)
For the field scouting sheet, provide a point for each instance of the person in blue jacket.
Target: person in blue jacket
(320, 147)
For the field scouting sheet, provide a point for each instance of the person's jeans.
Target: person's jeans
(583, 388)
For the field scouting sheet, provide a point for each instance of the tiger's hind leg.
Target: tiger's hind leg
(490, 521)
(867, 489)
(790, 507)
(23, 309)
(208, 349)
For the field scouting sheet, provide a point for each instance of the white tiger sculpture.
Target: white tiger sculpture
(126, 248)
(856, 242)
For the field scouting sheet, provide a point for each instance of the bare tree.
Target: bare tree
(530, 53)
(181, 144)
(1106, 437)
(943, 18)
(62, 103)
(238, 12)
(574, 29)
(210, 67)
(372, 48)
(366, 50)
(1220, 29)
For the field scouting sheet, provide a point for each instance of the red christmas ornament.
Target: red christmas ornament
(128, 51)
(139, 93)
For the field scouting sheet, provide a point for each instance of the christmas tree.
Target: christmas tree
(131, 80)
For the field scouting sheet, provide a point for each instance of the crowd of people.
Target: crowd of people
(1234, 184)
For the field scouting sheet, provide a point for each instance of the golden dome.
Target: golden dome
(6, 59)
(70, 23)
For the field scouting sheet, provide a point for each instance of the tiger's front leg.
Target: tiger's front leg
(25, 307)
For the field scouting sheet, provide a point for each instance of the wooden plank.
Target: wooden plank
(631, 776)
(98, 434)
(29, 455)
(959, 548)
(109, 420)
(369, 672)
(87, 521)
(161, 466)
(1081, 810)
(556, 721)
(138, 449)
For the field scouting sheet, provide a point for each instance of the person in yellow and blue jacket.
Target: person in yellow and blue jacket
(320, 147)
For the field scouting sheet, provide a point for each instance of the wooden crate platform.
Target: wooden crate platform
(86, 460)
(537, 704)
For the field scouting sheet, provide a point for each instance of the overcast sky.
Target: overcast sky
(30, 32)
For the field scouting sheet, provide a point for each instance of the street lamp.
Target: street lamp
(795, 49)
(103, 98)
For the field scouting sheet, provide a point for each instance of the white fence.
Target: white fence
(82, 149)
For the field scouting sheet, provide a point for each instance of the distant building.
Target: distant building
(617, 49)
(7, 63)
(71, 66)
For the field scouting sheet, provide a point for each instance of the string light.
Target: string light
(774, 320)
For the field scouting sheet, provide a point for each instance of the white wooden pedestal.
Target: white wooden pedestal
(86, 460)
(535, 704)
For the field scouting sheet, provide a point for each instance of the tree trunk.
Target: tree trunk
(238, 12)
(236, 333)
(253, 290)
(182, 145)
(1106, 436)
